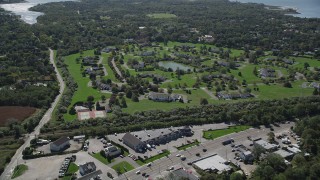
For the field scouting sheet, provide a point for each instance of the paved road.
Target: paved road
(212, 147)
(116, 68)
(104, 68)
(209, 93)
(17, 158)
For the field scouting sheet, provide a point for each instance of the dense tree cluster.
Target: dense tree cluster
(302, 166)
(72, 26)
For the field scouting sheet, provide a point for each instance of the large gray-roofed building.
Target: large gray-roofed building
(265, 145)
(284, 154)
(213, 163)
(133, 142)
(154, 137)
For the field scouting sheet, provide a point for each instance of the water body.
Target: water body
(306, 8)
(174, 66)
(22, 9)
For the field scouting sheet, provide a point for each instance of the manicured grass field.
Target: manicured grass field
(153, 158)
(213, 134)
(246, 73)
(161, 15)
(19, 170)
(146, 104)
(278, 91)
(83, 90)
(300, 62)
(102, 159)
(122, 167)
(185, 146)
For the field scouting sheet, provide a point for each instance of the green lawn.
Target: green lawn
(102, 159)
(19, 170)
(300, 62)
(222, 132)
(153, 158)
(83, 90)
(277, 91)
(185, 146)
(161, 15)
(71, 169)
(145, 105)
(246, 73)
(122, 167)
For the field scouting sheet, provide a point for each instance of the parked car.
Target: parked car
(138, 172)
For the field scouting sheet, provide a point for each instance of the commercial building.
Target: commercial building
(285, 154)
(112, 151)
(246, 155)
(138, 141)
(213, 163)
(87, 168)
(265, 145)
(60, 144)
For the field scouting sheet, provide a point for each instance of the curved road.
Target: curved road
(17, 158)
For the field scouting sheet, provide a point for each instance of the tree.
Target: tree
(306, 65)
(135, 97)
(271, 137)
(255, 71)
(236, 176)
(203, 101)
(315, 92)
(123, 102)
(239, 74)
(103, 98)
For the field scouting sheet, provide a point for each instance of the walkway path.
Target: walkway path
(17, 158)
(104, 68)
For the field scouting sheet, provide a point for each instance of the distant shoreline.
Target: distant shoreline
(286, 10)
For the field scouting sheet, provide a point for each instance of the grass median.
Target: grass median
(153, 158)
(213, 134)
(19, 170)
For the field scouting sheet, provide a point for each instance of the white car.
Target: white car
(178, 155)
(138, 172)
(171, 168)
(149, 164)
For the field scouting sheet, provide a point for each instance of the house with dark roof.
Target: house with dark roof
(139, 65)
(267, 72)
(89, 60)
(133, 142)
(148, 53)
(288, 61)
(164, 97)
(60, 144)
(87, 168)
(109, 49)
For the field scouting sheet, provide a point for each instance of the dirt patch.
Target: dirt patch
(14, 113)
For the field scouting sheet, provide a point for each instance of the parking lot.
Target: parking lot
(212, 147)
(171, 146)
(47, 168)
(74, 145)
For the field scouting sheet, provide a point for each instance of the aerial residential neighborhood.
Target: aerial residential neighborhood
(159, 90)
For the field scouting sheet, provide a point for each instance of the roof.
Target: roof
(283, 153)
(265, 144)
(90, 175)
(61, 141)
(88, 167)
(185, 174)
(214, 162)
(128, 137)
